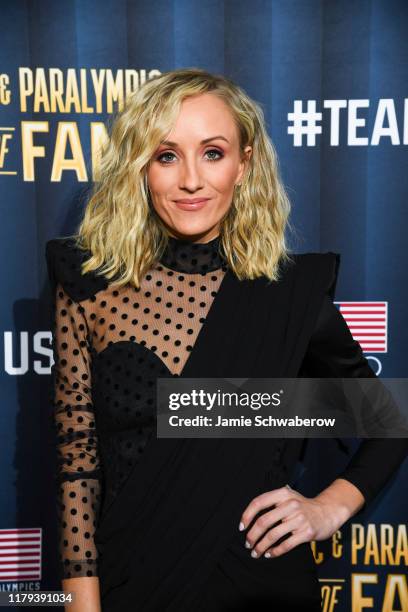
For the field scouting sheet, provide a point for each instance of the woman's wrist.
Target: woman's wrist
(344, 500)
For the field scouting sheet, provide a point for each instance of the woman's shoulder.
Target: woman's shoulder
(319, 270)
(64, 263)
(319, 259)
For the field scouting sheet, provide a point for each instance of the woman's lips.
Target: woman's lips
(194, 204)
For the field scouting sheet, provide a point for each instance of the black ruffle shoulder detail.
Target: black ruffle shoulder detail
(318, 271)
(64, 259)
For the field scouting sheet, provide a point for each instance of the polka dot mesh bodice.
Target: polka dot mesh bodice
(109, 348)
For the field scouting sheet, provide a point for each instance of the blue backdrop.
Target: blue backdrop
(344, 65)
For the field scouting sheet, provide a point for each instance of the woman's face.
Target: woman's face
(192, 174)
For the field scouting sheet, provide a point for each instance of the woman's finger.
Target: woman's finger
(261, 502)
(297, 537)
(275, 534)
(269, 519)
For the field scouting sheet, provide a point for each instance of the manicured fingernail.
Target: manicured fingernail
(247, 544)
(254, 554)
(268, 555)
(241, 526)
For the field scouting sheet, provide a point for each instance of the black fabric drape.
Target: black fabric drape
(180, 507)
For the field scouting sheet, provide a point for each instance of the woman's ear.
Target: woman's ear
(244, 164)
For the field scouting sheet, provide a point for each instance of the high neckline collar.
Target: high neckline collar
(183, 255)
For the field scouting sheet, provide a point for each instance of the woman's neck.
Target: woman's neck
(185, 255)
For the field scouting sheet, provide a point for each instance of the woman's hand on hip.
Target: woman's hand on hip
(297, 518)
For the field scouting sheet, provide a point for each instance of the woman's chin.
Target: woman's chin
(193, 231)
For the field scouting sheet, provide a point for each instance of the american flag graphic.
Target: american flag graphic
(368, 323)
(20, 554)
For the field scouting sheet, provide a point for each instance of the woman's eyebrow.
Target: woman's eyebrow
(170, 143)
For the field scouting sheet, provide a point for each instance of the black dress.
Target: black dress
(157, 519)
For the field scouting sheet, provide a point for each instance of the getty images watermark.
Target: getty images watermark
(282, 407)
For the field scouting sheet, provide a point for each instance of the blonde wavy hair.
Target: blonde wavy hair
(121, 229)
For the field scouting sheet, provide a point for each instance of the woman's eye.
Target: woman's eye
(161, 157)
(217, 152)
(164, 157)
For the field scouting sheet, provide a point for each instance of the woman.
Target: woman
(180, 268)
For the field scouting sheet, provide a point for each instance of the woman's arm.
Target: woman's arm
(294, 518)
(86, 594)
(78, 464)
(333, 352)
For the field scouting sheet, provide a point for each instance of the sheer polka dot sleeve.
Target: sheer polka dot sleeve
(78, 475)
(122, 338)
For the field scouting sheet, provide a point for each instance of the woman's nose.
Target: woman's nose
(190, 176)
